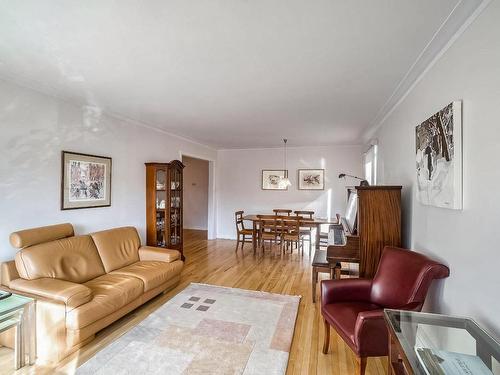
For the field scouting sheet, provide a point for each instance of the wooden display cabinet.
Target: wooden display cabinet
(164, 205)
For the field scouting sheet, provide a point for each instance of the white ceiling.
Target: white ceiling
(227, 73)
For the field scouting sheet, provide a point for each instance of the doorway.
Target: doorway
(196, 196)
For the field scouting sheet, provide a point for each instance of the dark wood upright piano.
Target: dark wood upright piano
(372, 221)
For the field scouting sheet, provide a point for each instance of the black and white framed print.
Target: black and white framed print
(85, 181)
(439, 158)
(311, 179)
(271, 179)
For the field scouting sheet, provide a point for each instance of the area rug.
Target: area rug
(206, 329)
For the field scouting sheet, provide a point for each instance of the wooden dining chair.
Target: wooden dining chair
(291, 234)
(305, 230)
(282, 212)
(270, 229)
(241, 231)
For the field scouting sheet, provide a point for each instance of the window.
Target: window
(370, 165)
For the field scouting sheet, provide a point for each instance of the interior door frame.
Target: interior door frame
(211, 220)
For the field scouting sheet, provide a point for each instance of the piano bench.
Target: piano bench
(320, 264)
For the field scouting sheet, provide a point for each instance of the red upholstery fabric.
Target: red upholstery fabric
(403, 277)
(354, 307)
(344, 316)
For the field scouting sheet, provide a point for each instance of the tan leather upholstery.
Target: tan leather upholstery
(76, 336)
(117, 247)
(109, 293)
(152, 273)
(157, 253)
(8, 271)
(30, 237)
(73, 259)
(71, 294)
(110, 281)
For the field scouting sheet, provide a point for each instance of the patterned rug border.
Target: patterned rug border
(250, 291)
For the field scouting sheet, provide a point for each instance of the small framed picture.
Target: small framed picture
(85, 181)
(271, 179)
(311, 179)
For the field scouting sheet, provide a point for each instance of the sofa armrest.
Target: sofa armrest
(71, 294)
(158, 254)
(345, 290)
(8, 272)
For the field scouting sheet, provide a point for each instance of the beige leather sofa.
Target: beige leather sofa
(84, 283)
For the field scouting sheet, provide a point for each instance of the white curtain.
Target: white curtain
(370, 165)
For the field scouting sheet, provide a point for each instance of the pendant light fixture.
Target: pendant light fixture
(284, 181)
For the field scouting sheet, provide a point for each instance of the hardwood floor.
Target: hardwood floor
(215, 262)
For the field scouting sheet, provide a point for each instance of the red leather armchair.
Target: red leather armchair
(354, 307)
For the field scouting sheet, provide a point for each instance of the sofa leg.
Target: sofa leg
(326, 342)
(361, 365)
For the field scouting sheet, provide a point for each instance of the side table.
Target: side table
(435, 344)
(18, 313)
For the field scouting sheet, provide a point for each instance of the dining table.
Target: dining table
(312, 223)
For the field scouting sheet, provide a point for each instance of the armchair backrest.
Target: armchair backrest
(403, 277)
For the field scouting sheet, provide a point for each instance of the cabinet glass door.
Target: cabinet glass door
(175, 206)
(161, 202)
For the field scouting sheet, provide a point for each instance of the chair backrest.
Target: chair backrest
(403, 277)
(238, 217)
(270, 223)
(282, 212)
(305, 214)
(292, 224)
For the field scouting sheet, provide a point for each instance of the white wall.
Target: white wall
(239, 181)
(34, 128)
(195, 193)
(468, 241)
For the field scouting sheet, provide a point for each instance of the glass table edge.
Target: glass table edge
(469, 325)
(21, 305)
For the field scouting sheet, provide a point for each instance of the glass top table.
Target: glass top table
(13, 303)
(18, 313)
(434, 344)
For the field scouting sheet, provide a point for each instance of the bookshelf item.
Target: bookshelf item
(164, 205)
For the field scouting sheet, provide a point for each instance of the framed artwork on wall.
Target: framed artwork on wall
(85, 181)
(311, 179)
(271, 179)
(439, 158)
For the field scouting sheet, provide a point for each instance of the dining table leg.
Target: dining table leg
(254, 236)
(318, 231)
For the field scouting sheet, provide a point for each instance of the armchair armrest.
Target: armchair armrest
(71, 294)
(370, 333)
(158, 254)
(345, 290)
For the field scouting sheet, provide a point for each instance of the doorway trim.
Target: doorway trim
(211, 221)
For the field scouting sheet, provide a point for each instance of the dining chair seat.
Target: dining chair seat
(269, 235)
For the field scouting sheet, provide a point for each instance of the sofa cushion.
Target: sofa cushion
(109, 293)
(72, 259)
(152, 273)
(117, 247)
(343, 317)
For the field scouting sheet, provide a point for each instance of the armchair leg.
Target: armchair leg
(326, 342)
(361, 365)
